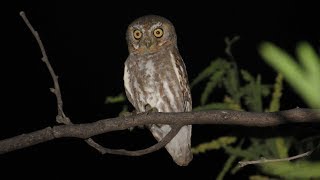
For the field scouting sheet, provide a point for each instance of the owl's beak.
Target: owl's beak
(147, 42)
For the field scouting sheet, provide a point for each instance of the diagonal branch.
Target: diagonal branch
(62, 118)
(176, 120)
(221, 117)
(264, 160)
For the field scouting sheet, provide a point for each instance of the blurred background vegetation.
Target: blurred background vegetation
(246, 92)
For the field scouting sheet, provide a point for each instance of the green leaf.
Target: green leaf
(246, 76)
(217, 64)
(226, 167)
(228, 164)
(281, 146)
(265, 90)
(276, 95)
(296, 170)
(240, 152)
(259, 177)
(211, 84)
(206, 72)
(232, 84)
(214, 144)
(217, 106)
(115, 99)
(252, 92)
(309, 60)
(305, 81)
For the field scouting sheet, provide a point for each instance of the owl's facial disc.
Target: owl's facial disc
(147, 42)
(150, 34)
(150, 39)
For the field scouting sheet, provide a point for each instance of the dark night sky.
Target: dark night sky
(86, 45)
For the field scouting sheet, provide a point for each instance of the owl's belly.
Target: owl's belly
(160, 91)
(151, 93)
(152, 80)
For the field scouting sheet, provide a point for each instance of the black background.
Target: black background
(85, 42)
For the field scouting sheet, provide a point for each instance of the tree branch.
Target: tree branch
(173, 132)
(62, 118)
(221, 117)
(176, 120)
(264, 160)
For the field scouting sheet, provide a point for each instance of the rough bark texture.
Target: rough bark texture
(227, 117)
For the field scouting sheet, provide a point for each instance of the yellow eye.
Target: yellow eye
(158, 32)
(137, 34)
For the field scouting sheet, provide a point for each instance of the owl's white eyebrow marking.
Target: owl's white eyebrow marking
(139, 27)
(155, 26)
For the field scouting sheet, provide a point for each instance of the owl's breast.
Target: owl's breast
(154, 82)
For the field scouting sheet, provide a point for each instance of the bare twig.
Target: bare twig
(174, 131)
(229, 42)
(176, 120)
(263, 160)
(62, 118)
(221, 117)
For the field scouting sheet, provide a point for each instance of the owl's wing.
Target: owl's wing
(180, 146)
(126, 79)
(180, 68)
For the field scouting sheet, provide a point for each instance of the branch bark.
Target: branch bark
(264, 160)
(62, 118)
(222, 117)
(176, 120)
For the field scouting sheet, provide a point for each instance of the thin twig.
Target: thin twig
(263, 160)
(173, 132)
(229, 43)
(176, 120)
(62, 118)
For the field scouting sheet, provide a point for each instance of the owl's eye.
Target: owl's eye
(158, 32)
(137, 34)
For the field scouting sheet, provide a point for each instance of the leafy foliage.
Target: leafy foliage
(244, 91)
(214, 144)
(248, 92)
(304, 78)
(115, 99)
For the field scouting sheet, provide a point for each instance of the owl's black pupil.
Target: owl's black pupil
(158, 32)
(137, 34)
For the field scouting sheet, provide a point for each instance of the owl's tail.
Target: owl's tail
(180, 146)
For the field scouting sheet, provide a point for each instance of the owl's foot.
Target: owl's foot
(150, 109)
(127, 114)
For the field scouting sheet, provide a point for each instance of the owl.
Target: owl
(155, 76)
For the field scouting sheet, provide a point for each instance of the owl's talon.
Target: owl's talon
(127, 114)
(149, 109)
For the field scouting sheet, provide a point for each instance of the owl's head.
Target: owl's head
(149, 34)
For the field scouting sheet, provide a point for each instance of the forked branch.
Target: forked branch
(62, 118)
(176, 120)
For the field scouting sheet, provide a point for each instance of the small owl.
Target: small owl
(155, 76)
